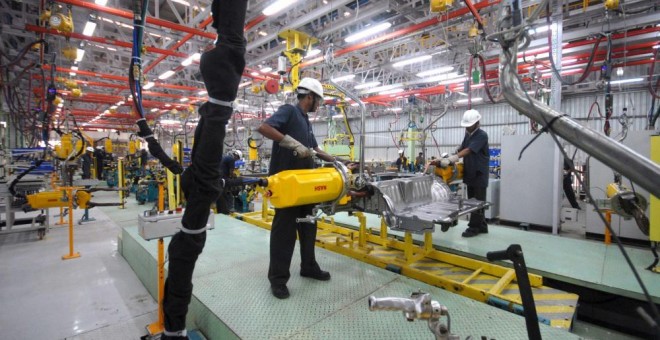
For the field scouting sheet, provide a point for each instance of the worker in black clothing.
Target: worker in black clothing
(225, 203)
(293, 146)
(221, 68)
(99, 156)
(568, 185)
(87, 162)
(474, 151)
(144, 158)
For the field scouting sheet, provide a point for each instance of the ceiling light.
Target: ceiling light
(183, 2)
(101, 2)
(80, 54)
(411, 61)
(169, 122)
(656, 46)
(474, 100)
(255, 73)
(438, 70)
(439, 77)
(189, 60)
(166, 74)
(74, 68)
(368, 32)
(148, 85)
(244, 84)
(111, 48)
(154, 109)
(202, 93)
(121, 102)
(395, 109)
(90, 26)
(313, 52)
(113, 107)
(347, 14)
(344, 78)
(262, 33)
(367, 85)
(393, 91)
(625, 81)
(619, 71)
(60, 105)
(266, 69)
(382, 88)
(184, 99)
(277, 6)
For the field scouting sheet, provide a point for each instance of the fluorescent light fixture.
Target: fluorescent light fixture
(169, 122)
(244, 84)
(90, 26)
(656, 46)
(626, 81)
(474, 100)
(266, 69)
(101, 2)
(453, 81)
(183, 2)
(167, 105)
(395, 109)
(382, 88)
(313, 52)
(277, 6)
(254, 73)
(369, 31)
(80, 54)
(113, 107)
(438, 70)
(154, 109)
(166, 74)
(74, 68)
(148, 85)
(189, 60)
(344, 78)
(411, 61)
(121, 102)
(393, 91)
(440, 77)
(367, 85)
(184, 99)
(355, 104)
(60, 105)
(202, 93)
(262, 33)
(111, 49)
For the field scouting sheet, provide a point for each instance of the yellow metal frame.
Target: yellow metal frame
(422, 262)
(121, 181)
(297, 43)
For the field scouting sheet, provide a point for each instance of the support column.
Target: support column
(555, 103)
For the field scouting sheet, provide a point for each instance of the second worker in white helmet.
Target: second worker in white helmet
(293, 142)
(474, 151)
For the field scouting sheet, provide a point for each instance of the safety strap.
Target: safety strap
(177, 333)
(221, 102)
(193, 231)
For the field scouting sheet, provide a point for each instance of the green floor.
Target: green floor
(232, 296)
(586, 263)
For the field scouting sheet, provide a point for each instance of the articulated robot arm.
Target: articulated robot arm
(413, 204)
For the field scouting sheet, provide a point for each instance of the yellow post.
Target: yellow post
(61, 222)
(408, 246)
(121, 182)
(161, 196)
(428, 241)
(362, 238)
(171, 191)
(608, 219)
(383, 232)
(71, 255)
(159, 326)
(654, 210)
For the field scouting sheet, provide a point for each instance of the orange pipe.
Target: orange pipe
(404, 31)
(38, 29)
(179, 43)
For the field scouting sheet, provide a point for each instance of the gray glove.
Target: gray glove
(299, 150)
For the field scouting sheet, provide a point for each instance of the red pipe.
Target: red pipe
(404, 31)
(179, 43)
(39, 29)
(475, 13)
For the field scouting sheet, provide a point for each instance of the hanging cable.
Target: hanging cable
(134, 82)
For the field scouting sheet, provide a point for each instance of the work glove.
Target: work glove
(299, 150)
(445, 162)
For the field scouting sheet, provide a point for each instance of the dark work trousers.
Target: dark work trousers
(568, 191)
(225, 202)
(283, 241)
(477, 219)
(221, 68)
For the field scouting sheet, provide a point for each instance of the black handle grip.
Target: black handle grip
(497, 255)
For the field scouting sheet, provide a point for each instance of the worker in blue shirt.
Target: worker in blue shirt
(474, 151)
(225, 203)
(293, 147)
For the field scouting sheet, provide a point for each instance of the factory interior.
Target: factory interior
(490, 169)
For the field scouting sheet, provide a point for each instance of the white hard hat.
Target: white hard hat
(312, 85)
(470, 117)
(237, 153)
(90, 149)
